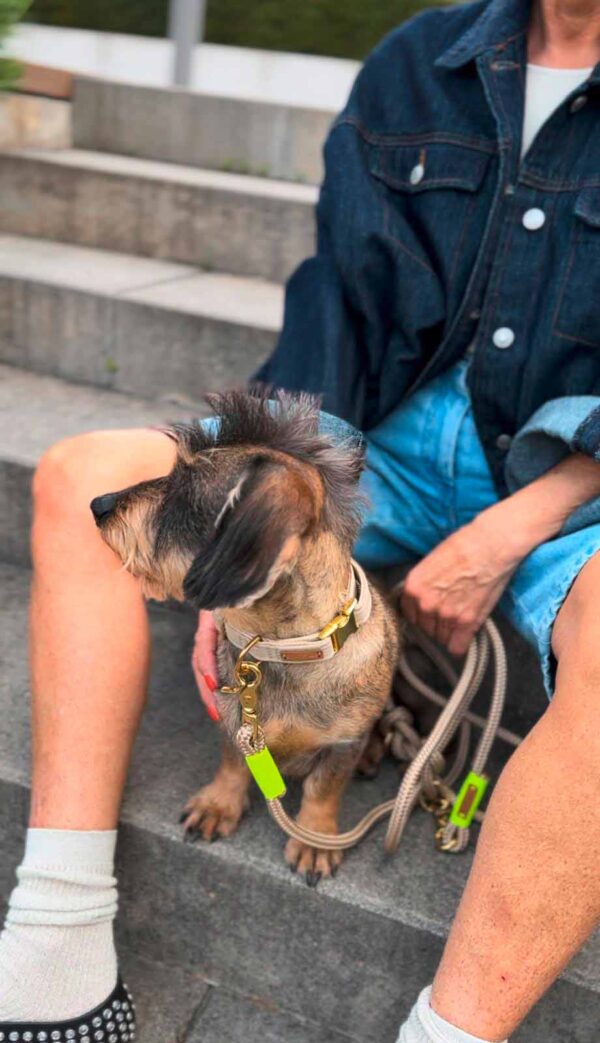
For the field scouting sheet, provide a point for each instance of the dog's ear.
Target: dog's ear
(257, 535)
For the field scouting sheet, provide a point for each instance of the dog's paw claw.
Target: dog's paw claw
(212, 813)
(314, 864)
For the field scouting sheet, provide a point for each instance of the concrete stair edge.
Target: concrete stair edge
(279, 141)
(224, 222)
(134, 324)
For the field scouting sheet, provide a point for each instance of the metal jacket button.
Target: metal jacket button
(417, 173)
(503, 337)
(503, 442)
(578, 102)
(534, 219)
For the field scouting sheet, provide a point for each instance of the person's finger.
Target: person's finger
(460, 639)
(427, 622)
(206, 687)
(443, 630)
(206, 641)
(204, 661)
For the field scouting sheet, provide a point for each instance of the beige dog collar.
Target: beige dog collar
(321, 645)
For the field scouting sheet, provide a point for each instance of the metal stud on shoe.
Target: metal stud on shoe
(113, 1016)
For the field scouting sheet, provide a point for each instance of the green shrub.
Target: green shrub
(342, 28)
(10, 12)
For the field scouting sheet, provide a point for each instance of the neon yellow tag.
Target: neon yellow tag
(468, 800)
(266, 774)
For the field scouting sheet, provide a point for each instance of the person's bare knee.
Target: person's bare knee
(577, 620)
(576, 645)
(76, 469)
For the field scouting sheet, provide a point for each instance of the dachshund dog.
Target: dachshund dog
(256, 521)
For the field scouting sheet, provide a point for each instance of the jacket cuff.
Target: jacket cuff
(587, 435)
(560, 427)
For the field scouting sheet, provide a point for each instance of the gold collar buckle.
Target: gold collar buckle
(341, 627)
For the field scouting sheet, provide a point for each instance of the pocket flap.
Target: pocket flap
(587, 206)
(419, 167)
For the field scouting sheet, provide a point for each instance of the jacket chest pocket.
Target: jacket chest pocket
(578, 310)
(434, 200)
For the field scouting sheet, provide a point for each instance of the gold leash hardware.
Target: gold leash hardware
(440, 807)
(341, 626)
(248, 675)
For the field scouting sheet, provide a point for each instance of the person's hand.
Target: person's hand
(452, 591)
(204, 662)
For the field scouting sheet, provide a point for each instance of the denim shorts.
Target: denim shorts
(427, 475)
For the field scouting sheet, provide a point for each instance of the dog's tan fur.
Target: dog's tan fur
(316, 717)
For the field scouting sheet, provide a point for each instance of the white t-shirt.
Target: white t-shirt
(545, 89)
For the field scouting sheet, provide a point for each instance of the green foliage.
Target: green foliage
(10, 12)
(143, 17)
(342, 28)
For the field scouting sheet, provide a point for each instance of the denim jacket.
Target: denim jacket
(422, 251)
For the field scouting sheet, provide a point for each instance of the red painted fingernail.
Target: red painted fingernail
(210, 682)
(213, 713)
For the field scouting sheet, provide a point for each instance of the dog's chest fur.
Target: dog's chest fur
(306, 708)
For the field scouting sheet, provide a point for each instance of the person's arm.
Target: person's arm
(452, 591)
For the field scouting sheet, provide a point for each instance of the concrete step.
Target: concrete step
(234, 134)
(350, 955)
(225, 222)
(142, 326)
(35, 412)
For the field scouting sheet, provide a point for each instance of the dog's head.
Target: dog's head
(244, 494)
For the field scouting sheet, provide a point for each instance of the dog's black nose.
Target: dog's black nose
(102, 506)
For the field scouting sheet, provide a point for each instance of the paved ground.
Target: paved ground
(181, 1007)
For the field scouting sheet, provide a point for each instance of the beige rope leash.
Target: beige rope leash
(422, 780)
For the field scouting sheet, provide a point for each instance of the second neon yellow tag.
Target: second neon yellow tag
(266, 774)
(468, 800)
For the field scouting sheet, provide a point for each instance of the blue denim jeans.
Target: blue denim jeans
(427, 475)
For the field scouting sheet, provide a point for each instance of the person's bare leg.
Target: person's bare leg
(89, 631)
(533, 896)
(89, 658)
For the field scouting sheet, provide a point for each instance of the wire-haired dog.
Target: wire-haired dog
(257, 520)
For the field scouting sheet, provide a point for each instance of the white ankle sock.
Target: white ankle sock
(57, 954)
(425, 1026)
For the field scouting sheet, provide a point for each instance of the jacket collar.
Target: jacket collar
(500, 22)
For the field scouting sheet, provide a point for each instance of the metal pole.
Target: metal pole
(186, 29)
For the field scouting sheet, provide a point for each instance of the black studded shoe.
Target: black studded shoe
(111, 1022)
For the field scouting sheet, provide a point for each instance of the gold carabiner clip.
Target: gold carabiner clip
(249, 676)
(242, 668)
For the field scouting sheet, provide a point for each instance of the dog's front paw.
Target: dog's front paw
(314, 863)
(215, 811)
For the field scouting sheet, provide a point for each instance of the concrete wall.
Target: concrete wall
(241, 72)
(235, 135)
